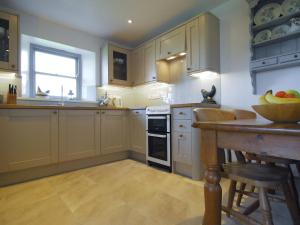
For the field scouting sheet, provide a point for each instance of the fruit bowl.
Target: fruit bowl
(279, 113)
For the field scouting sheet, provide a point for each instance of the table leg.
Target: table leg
(212, 188)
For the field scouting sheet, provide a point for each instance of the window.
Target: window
(54, 70)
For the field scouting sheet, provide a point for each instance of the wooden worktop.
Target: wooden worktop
(195, 105)
(18, 106)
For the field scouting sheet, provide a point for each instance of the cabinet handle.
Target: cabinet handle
(137, 112)
(54, 112)
(181, 136)
(13, 66)
(264, 63)
(181, 125)
(189, 68)
(97, 113)
(169, 53)
(181, 113)
(103, 112)
(153, 78)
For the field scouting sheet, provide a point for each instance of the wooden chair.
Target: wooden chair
(263, 177)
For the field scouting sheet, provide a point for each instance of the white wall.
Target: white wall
(236, 89)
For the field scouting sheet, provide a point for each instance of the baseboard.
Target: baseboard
(54, 169)
(137, 156)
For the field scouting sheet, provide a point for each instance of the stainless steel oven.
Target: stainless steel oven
(159, 136)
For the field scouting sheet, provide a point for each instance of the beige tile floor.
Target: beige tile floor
(120, 193)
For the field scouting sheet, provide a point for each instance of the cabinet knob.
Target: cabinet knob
(295, 56)
(181, 135)
(169, 53)
(54, 112)
(97, 113)
(181, 113)
(181, 125)
(137, 112)
(153, 78)
(189, 68)
(103, 112)
(13, 66)
(264, 63)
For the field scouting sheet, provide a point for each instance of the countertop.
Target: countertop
(66, 107)
(195, 105)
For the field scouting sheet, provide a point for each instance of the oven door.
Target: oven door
(158, 123)
(159, 148)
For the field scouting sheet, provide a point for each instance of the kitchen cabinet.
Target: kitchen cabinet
(9, 42)
(186, 144)
(79, 134)
(138, 66)
(116, 66)
(114, 131)
(203, 44)
(171, 43)
(182, 147)
(29, 138)
(150, 62)
(138, 131)
(193, 46)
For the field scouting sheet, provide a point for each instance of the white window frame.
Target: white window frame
(57, 52)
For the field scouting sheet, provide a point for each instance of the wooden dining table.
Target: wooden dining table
(252, 136)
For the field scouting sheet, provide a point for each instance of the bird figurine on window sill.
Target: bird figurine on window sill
(40, 93)
(208, 96)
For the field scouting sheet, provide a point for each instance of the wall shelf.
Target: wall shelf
(274, 54)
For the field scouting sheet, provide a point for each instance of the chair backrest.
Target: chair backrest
(208, 114)
(244, 114)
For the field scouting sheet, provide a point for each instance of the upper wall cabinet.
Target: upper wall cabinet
(203, 44)
(171, 43)
(150, 68)
(138, 65)
(116, 66)
(9, 36)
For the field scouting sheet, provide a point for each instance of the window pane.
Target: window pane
(53, 84)
(50, 63)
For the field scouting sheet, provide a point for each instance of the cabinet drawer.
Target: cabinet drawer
(289, 58)
(182, 125)
(263, 63)
(182, 113)
(138, 112)
(113, 112)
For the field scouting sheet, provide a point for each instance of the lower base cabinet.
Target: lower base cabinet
(137, 121)
(29, 138)
(114, 131)
(79, 134)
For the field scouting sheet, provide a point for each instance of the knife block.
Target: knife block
(11, 99)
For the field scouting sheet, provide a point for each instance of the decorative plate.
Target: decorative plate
(262, 36)
(290, 6)
(267, 13)
(280, 31)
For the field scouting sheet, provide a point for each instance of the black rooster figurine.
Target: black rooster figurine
(208, 96)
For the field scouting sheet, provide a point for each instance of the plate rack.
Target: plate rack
(274, 54)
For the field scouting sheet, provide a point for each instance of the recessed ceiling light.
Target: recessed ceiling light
(130, 21)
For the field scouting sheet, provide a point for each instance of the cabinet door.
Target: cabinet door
(182, 147)
(138, 66)
(79, 134)
(8, 41)
(113, 132)
(150, 62)
(119, 66)
(193, 50)
(28, 138)
(171, 43)
(138, 131)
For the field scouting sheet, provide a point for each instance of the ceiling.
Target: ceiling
(108, 18)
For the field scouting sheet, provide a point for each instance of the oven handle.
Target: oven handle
(157, 117)
(157, 135)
